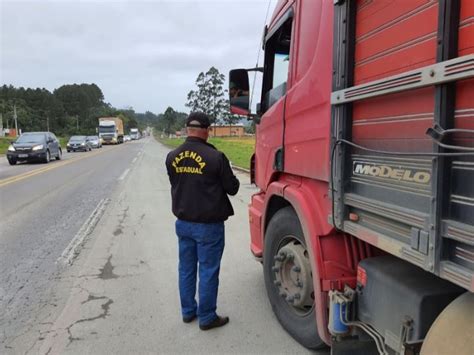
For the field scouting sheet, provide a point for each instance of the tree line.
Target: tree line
(75, 108)
(69, 109)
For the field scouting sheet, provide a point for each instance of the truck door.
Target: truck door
(270, 131)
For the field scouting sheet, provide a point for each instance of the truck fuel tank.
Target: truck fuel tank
(393, 294)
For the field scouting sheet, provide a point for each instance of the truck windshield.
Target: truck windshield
(106, 129)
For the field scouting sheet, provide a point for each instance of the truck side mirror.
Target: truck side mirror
(239, 97)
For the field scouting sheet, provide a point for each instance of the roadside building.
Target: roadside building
(234, 130)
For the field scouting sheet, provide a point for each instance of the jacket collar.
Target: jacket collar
(199, 140)
(195, 139)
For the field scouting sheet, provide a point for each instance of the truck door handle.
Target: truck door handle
(278, 161)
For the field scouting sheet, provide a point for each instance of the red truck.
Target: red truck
(364, 158)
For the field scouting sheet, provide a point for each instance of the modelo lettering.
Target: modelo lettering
(387, 172)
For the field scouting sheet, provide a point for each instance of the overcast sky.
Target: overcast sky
(145, 54)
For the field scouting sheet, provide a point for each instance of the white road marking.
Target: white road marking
(124, 174)
(134, 160)
(72, 250)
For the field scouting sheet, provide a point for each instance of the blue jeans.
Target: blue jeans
(199, 244)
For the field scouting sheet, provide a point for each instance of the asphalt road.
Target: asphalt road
(42, 207)
(117, 293)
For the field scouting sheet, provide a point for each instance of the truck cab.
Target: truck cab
(364, 159)
(110, 130)
(134, 133)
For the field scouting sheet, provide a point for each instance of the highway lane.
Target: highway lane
(8, 172)
(124, 295)
(42, 207)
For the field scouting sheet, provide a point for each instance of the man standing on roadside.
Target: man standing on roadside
(201, 178)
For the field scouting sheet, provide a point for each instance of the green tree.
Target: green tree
(82, 103)
(70, 109)
(228, 117)
(169, 119)
(209, 95)
(131, 118)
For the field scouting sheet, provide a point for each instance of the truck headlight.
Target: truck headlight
(38, 147)
(83, 143)
(11, 148)
(69, 144)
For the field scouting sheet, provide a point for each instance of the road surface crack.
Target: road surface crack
(94, 298)
(105, 313)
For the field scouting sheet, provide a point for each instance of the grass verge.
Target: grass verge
(237, 150)
(4, 143)
(63, 141)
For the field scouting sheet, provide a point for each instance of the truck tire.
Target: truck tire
(452, 332)
(288, 278)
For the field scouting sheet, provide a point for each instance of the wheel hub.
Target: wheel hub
(293, 276)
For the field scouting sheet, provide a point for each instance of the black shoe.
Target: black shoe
(189, 319)
(216, 323)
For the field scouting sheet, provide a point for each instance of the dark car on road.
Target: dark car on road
(34, 146)
(78, 143)
(94, 141)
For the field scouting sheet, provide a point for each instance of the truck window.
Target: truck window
(280, 68)
(277, 60)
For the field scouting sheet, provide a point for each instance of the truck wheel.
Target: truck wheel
(288, 278)
(451, 332)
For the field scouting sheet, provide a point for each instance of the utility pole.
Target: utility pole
(16, 122)
(47, 121)
(1, 126)
(77, 124)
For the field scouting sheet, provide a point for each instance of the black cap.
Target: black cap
(198, 120)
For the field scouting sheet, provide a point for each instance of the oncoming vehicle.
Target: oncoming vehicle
(94, 141)
(364, 160)
(134, 133)
(127, 138)
(111, 130)
(78, 143)
(34, 146)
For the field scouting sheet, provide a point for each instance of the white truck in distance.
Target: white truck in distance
(111, 130)
(134, 133)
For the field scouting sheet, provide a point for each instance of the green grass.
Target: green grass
(63, 141)
(6, 141)
(237, 150)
